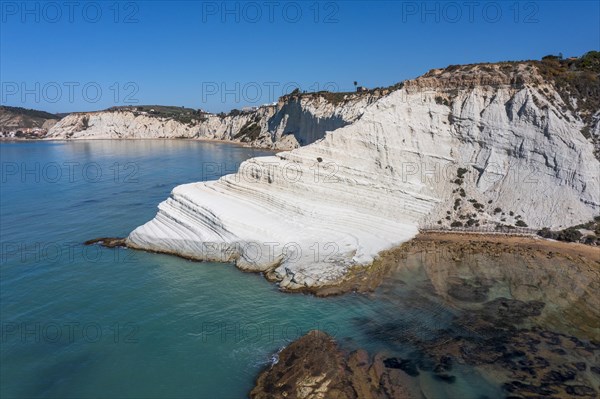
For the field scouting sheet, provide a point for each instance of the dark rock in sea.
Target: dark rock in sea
(546, 333)
(511, 311)
(512, 354)
(468, 292)
(426, 364)
(521, 387)
(581, 366)
(591, 346)
(439, 369)
(386, 332)
(578, 343)
(447, 362)
(476, 354)
(551, 337)
(450, 379)
(533, 362)
(581, 390)
(557, 377)
(406, 365)
(444, 365)
(540, 362)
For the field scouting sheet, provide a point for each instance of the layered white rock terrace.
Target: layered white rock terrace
(311, 214)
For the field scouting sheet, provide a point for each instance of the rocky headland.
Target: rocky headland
(486, 146)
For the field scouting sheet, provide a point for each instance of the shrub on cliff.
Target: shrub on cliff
(569, 235)
(577, 78)
(547, 233)
(250, 131)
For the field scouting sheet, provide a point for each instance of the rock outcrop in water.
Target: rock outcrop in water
(480, 144)
(295, 120)
(313, 367)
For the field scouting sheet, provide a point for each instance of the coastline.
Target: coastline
(367, 279)
(522, 359)
(520, 338)
(364, 279)
(531, 241)
(207, 140)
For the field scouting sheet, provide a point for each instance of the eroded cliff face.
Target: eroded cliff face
(297, 119)
(517, 149)
(304, 119)
(484, 147)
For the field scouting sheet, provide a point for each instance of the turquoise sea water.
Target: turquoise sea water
(83, 322)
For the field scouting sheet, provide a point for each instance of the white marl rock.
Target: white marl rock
(311, 214)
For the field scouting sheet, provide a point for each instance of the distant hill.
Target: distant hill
(180, 114)
(17, 118)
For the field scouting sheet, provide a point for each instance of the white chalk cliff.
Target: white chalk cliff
(295, 120)
(308, 216)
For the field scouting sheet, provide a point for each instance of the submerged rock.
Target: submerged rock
(406, 365)
(450, 379)
(511, 311)
(581, 390)
(467, 291)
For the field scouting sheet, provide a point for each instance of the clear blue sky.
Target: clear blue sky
(221, 55)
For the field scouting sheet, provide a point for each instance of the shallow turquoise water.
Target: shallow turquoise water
(82, 322)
